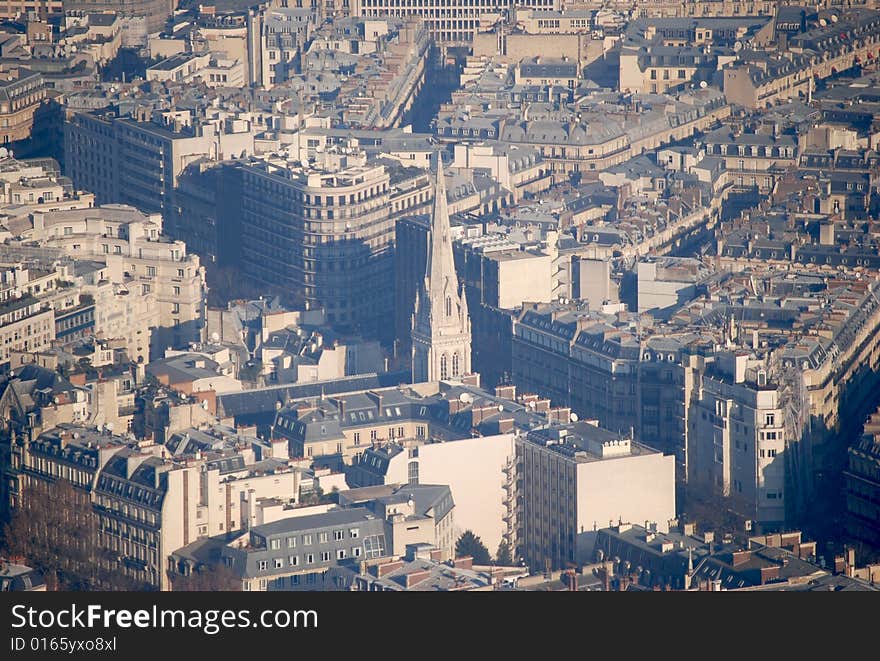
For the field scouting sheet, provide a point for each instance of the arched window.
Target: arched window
(455, 364)
(413, 472)
(444, 372)
(448, 306)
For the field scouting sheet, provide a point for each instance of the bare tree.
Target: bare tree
(55, 531)
(207, 578)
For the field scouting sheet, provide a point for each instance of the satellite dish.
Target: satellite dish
(573, 417)
(823, 22)
(500, 408)
(109, 426)
(703, 84)
(4, 152)
(737, 46)
(215, 337)
(834, 18)
(464, 398)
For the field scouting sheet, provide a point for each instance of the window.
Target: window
(354, 532)
(325, 556)
(413, 472)
(340, 554)
(275, 544)
(448, 306)
(151, 271)
(279, 563)
(374, 546)
(291, 542)
(263, 565)
(176, 290)
(175, 308)
(356, 551)
(323, 537)
(338, 535)
(444, 371)
(653, 74)
(420, 431)
(307, 540)
(770, 419)
(771, 453)
(373, 435)
(357, 438)
(455, 364)
(293, 560)
(310, 558)
(179, 273)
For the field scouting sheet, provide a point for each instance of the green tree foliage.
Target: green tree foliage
(503, 556)
(470, 544)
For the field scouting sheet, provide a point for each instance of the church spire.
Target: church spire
(440, 264)
(441, 330)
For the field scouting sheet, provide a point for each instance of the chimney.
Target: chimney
(388, 567)
(416, 577)
(467, 562)
(741, 557)
(505, 392)
(826, 233)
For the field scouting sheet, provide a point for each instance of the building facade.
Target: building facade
(325, 233)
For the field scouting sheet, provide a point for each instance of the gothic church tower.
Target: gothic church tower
(441, 328)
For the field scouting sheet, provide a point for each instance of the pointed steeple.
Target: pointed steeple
(441, 330)
(441, 264)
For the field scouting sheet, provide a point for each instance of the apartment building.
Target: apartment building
(123, 160)
(598, 365)
(21, 93)
(138, 257)
(447, 22)
(738, 437)
(394, 436)
(751, 159)
(296, 551)
(577, 478)
(282, 32)
(26, 324)
(211, 70)
(862, 476)
(146, 508)
(411, 509)
(154, 12)
(324, 232)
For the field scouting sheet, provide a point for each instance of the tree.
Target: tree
(207, 578)
(55, 531)
(503, 556)
(470, 544)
